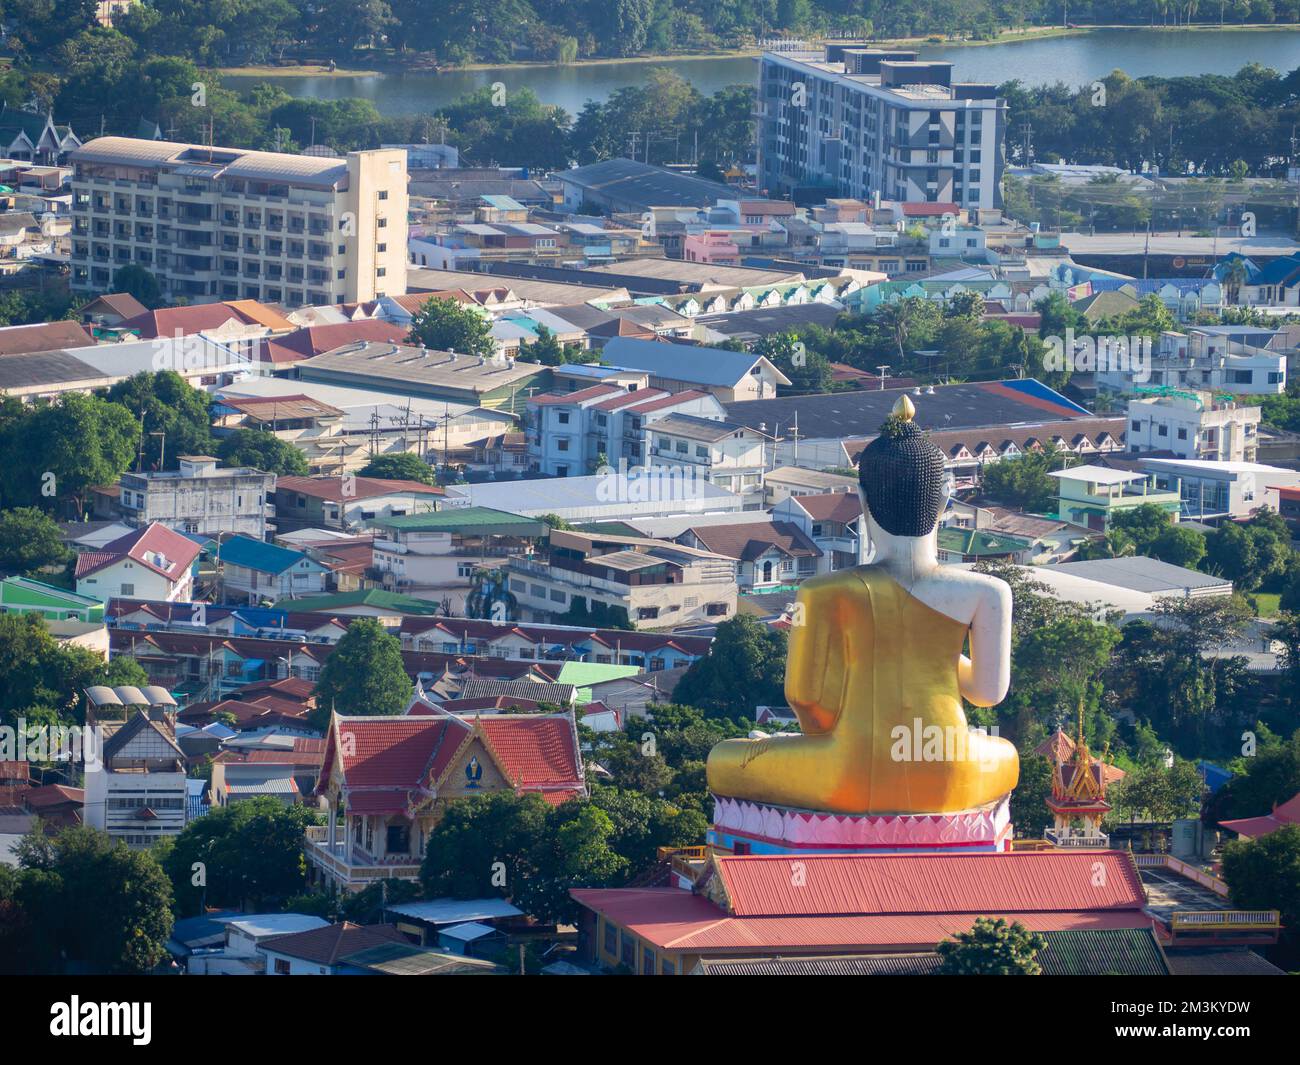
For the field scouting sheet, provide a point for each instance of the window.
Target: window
(383, 194)
(611, 938)
(281, 966)
(628, 954)
(562, 417)
(128, 589)
(562, 444)
(648, 962)
(1182, 434)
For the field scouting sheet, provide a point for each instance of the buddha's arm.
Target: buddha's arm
(985, 676)
(815, 662)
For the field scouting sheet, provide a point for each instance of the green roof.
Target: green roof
(975, 542)
(63, 595)
(584, 674)
(375, 597)
(481, 520)
(1103, 952)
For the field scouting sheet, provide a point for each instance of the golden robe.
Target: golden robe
(872, 677)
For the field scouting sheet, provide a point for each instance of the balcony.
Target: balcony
(357, 870)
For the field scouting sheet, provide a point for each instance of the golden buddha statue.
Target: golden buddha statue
(878, 665)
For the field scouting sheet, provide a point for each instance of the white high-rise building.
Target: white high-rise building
(866, 121)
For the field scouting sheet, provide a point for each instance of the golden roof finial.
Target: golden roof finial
(904, 410)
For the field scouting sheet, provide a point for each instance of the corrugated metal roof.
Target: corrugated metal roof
(762, 885)
(847, 965)
(1103, 952)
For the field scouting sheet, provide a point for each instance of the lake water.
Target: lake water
(1074, 60)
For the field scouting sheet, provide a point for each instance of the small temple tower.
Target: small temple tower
(1079, 783)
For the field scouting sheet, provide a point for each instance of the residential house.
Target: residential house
(348, 501)
(149, 563)
(257, 571)
(1216, 489)
(651, 583)
(23, 595)
(730, 375)
(436, 554)
(325, 951)
(390, 777)
(1193, 424)
(768, 555)
(786, 481)
(1092, 495)
(833, 521)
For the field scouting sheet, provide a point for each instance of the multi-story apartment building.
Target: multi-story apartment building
(1193, 425)
(654, 583)
(435, 555)
(1243, 360)
(574, 434)
(866, 121)
(225, 223)
(135, 778)
(199, 498)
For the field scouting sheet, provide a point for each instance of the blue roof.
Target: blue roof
(589, 369)
(1030, 387)
(259, 555)
(1278, 272)
(679, 362)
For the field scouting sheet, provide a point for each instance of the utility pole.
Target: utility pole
(1027, 132)
(883, 368)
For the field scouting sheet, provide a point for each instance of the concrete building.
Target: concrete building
(1222, 489)
(1242, 360)
(1091, 495)
(135, 786)
(1193, 425)
(199, 497)
(865, 121)
(435, 555)
(653, 583)
(348, 501)
(224, 223)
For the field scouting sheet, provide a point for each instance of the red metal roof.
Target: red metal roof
(641, 395)
(1024, 881)
(670, 401)
(673, 919)
(580, 396)
(844, 507)
(1254, 827)
(331, 488)
(141, 546)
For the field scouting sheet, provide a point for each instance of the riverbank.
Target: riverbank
(394, 63)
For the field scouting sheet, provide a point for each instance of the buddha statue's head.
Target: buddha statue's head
(901, 474)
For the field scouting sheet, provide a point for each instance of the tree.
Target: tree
(364, 676)
(1264, 873)
(403, 466)
(246, 854)
(1029, 812)
(446, 325)
(30, 540)
(174, 417)
(744, 669)
(1159, 793)
(1179, 546)
(42, 678)
(808, 370)
(1022, 481)
(140, 283)
(95, 901)
(84, 441)
(992, 948)
(263, 451)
